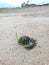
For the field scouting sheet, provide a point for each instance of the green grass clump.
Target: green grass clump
(3, 9)
(17, 37)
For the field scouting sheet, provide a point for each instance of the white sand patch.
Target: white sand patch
(13, 54)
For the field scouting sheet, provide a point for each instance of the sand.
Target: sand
(24, 22)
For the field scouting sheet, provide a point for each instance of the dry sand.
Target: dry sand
(32, 23)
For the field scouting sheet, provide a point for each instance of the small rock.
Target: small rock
(27, 42)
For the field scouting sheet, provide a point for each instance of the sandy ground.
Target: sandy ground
(28, 23)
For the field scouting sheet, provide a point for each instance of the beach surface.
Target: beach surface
(32, 22)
